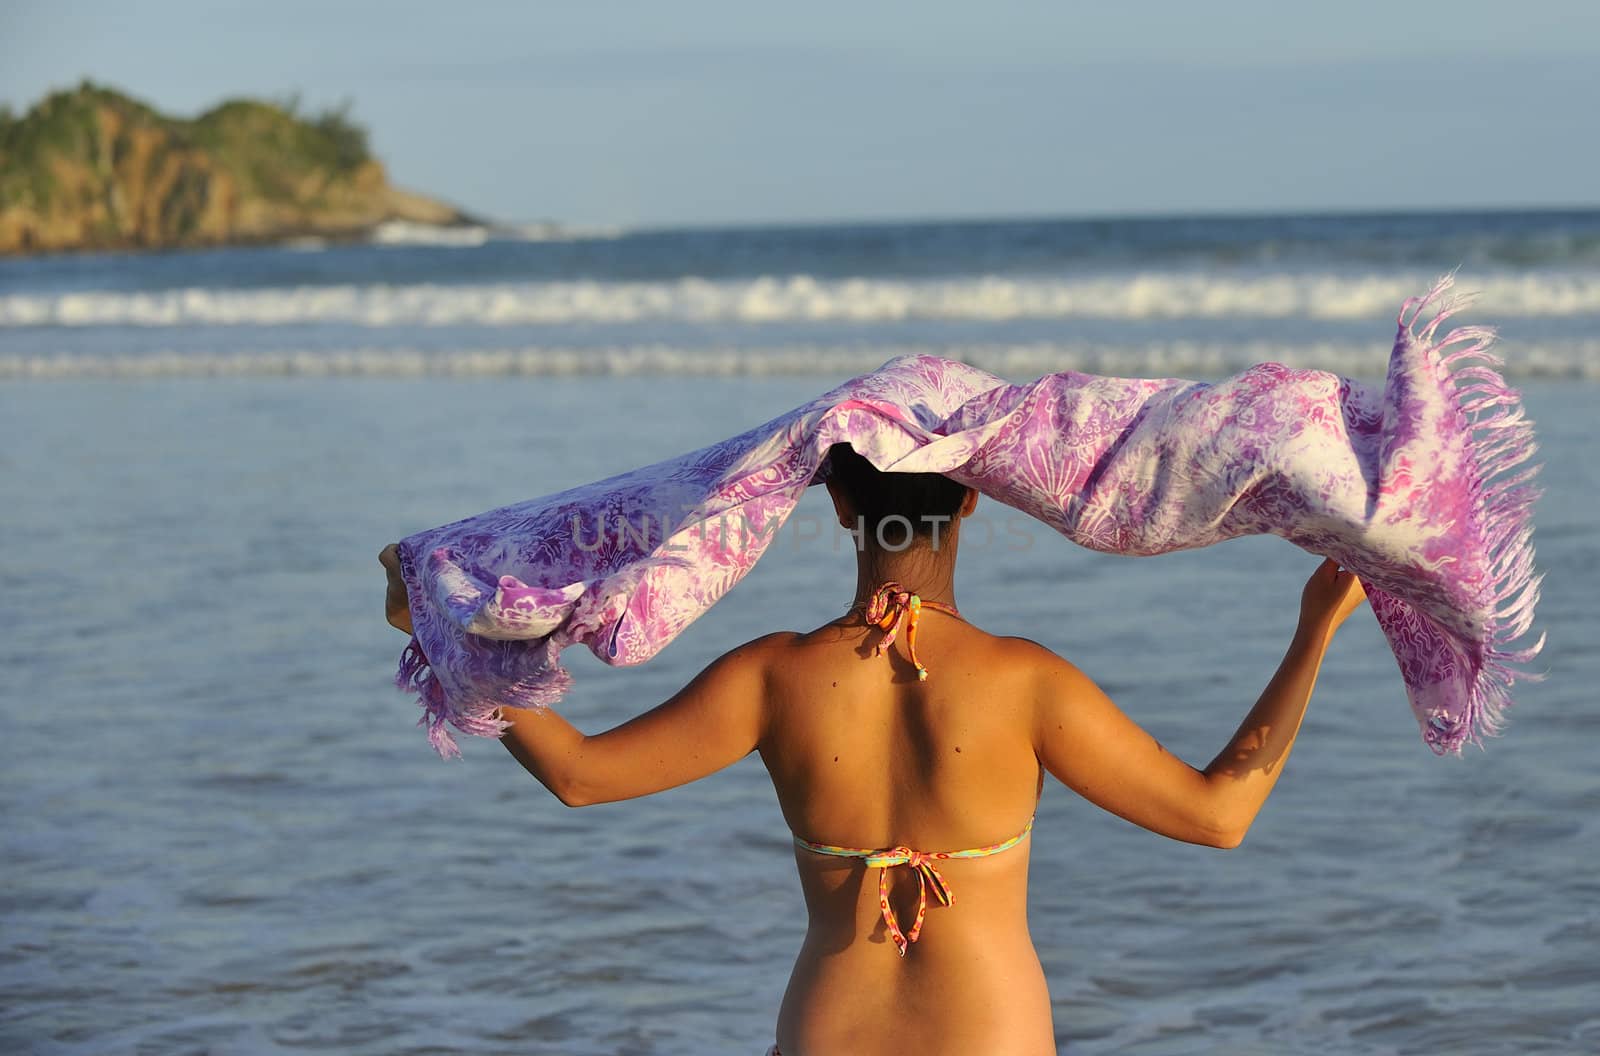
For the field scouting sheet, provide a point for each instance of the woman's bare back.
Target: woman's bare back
(864, 755)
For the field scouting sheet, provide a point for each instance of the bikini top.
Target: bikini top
(890, 606)
(921, 863)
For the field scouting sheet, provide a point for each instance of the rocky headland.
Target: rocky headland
(93, 169)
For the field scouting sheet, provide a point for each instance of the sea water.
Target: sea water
(221, 832)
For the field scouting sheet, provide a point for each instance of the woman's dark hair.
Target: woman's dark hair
(877, 495)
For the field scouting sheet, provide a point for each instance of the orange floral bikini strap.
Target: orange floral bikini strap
(891, 606)
(928, 876)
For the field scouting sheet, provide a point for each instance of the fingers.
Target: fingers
(397, 605)
(1325, 574)
(1346, 593)
(1333, 570)
(1347, 580)
(1331, 594)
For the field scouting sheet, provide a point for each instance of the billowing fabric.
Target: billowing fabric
(1421, 487)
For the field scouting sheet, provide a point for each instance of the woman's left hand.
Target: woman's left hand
(396, 604)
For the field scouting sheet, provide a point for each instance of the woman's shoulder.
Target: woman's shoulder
(1010, 649)
(797, 652)
(1027, 649)
(1033, 658)
(763, 648)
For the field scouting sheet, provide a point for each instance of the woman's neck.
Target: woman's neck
(919, 569)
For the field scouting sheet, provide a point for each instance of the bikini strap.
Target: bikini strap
(892, 606)
(921, 863)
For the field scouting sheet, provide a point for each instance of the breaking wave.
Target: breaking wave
(803, 299)
(1557, 359)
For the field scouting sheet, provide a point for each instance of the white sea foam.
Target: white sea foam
(802, 298)
(549, 231)
(410, 233)
(1557, 359)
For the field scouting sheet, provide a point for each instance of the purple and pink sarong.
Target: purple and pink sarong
(1422, 487)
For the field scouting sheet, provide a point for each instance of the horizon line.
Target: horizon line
(1118, 216)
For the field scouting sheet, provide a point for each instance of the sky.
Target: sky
(690, 113)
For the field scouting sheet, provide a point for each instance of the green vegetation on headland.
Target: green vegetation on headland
(92, 168)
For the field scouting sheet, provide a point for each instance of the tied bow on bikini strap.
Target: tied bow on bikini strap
(927, 874)
(893, 605)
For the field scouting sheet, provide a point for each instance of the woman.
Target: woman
(910, 775)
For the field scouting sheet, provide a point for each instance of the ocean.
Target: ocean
(223, 834)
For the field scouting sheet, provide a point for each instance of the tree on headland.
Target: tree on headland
(348, 138)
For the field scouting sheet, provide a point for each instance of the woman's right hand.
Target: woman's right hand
(396, 603)
(1331, 594)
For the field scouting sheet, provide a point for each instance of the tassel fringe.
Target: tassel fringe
(475, 716)
(1500, 446)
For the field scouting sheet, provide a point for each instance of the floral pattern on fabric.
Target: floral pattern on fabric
(1421, 487)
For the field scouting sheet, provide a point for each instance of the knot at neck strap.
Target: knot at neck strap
(890, 607)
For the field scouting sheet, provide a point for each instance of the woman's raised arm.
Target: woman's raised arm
(1095, 749)
(713, 722)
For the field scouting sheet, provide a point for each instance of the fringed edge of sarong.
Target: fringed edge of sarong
(477, 716)
(1500, 446)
